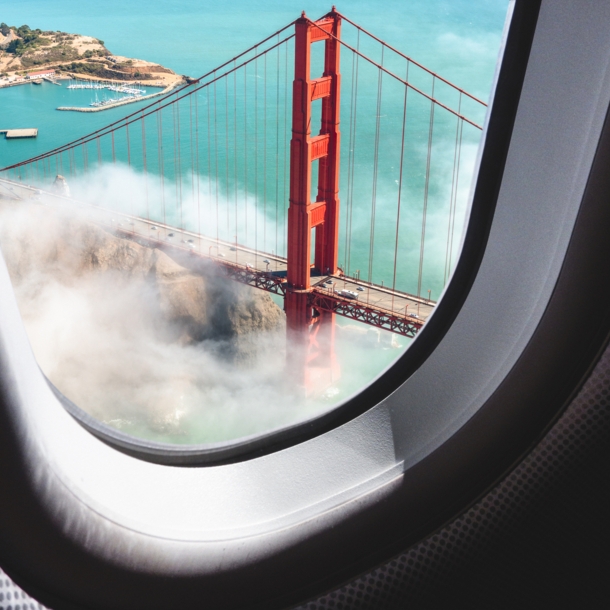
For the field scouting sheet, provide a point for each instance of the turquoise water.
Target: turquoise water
(457, 39)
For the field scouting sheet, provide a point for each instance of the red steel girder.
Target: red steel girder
(317, 298)
(233, 271)
(252, 277)
(408, 326)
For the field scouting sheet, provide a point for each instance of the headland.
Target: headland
(29, 56)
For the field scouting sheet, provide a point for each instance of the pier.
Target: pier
(12, 134)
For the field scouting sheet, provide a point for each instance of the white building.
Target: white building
(41, 74)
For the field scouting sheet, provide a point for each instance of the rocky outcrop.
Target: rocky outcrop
(142, 68)
(40, 243)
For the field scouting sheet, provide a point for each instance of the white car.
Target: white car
(348, 294)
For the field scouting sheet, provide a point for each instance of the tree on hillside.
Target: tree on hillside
(28, 38)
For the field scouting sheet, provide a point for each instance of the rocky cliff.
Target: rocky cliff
(40, 243)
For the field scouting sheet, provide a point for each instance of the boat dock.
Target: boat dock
(19, 133)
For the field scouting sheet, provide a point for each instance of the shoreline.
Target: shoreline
(179, 79)
(31, 82)
(167, 89)
(159, 82)
(87, 60)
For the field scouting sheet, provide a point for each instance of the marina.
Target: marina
(105, 104)
(96, 85)
(129, 91)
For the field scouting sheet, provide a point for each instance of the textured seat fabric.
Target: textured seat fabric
(13, 598)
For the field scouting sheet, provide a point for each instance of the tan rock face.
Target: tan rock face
(141, 342)
(39, 242)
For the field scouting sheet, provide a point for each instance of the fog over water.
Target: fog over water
(152, 348)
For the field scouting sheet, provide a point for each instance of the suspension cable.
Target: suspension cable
(129, 119)
(411, 60)
(404, 82)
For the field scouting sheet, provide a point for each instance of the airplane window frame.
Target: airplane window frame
(291, 522)
(507, 87)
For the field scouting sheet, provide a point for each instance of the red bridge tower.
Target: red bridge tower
(305, 215)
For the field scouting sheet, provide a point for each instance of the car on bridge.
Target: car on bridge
(348, 294)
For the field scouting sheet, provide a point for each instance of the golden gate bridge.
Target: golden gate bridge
(217, 178)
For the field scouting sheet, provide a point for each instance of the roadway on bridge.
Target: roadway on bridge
(148, 232)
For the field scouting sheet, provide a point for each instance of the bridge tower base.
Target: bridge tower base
(322, 214)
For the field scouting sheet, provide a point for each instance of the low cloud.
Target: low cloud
(153, 349)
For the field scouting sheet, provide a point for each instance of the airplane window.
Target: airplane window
(290, 508)
(179, 282)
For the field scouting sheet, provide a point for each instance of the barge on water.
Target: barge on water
(12, 134)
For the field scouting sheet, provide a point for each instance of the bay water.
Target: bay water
(458, 39)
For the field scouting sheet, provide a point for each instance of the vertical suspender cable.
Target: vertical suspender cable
(402, 157)
(209, 139)
(451, 197)
(349, 164)
(245, 155)
(197, 167)
(457, 176)
(256, 156)
(235, 145)
(143, 122)
(128, 148)
(227, 151)
(192, 150)
(285, 200)
(375, 169)
(216, 162)
(265, 155)
(426, 190)
(353, 134)
(129, 162)
(175, 164)
(179, 159)
(277, 148)
(161, 162)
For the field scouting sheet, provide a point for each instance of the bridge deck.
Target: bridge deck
(378, 306)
